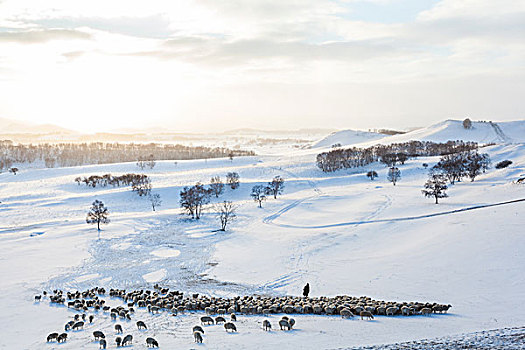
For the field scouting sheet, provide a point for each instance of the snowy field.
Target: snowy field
(341, 232)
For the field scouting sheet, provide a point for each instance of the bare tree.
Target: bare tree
(233, 180)
(394, 174)
(192, 199)
(259, 194)
(402, 157)
(476, 163)
(225, 213)
(142, 186)
(141, 163)
(435, 187)
(154, 200)
(275, 187)
(371, 174)
(151, 161)
(216, 186)
(390, 159)
(98, 214)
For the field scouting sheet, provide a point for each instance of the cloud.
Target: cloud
(213, 51)
(282, 51)
(42, 36)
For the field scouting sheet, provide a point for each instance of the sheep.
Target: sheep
(441, 308)
(405, 311)
(78, 325)
(141, 325)
(102, 344)
(221, 311)
(113, 316)
(128, 339)
(391, 311)
(230, 326)
(98, 335)
(52, 336)
(267, 325)
(91, 318)
(426, 311)
(288, 309)
(198, 329)
(197, 337)
(118, 328)
(346, 313)
(118, 341)
(366, 314)
(62, 338)
(219, 319)
(233, 317)
(38, 297)
(291, 322)
(207, 320)
(150, 342)
(284, 324)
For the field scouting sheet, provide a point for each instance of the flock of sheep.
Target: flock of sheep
(174, 302)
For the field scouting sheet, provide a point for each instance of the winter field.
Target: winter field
(341, 232)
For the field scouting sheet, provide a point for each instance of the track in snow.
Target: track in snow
(270, 219)
(500, 132)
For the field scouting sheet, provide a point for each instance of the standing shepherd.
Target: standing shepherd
(306, 290)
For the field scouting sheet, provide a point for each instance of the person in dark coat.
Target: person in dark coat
(306, 290)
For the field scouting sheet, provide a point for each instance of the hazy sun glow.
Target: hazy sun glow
(207, 65)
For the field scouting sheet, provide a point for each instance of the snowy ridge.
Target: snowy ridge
(346, 137)
(481, 132)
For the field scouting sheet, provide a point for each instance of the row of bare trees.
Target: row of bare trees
(113, 180)
(389, 154)
(74, 154)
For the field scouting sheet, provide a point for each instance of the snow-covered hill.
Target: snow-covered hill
(341, 232)
(481, 132)
(346, 137)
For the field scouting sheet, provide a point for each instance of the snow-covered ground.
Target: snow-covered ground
(341, 232)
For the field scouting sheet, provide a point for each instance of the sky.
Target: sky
(214, 65)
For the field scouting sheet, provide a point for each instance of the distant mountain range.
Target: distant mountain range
(9, 126)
